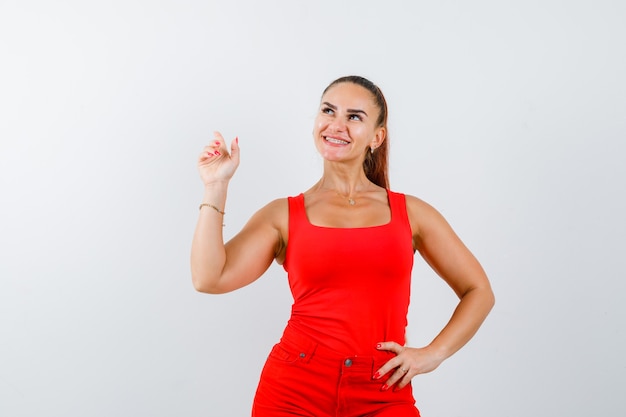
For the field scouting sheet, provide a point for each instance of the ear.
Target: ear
(379, 138)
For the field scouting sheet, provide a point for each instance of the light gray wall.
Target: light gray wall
(509, 117)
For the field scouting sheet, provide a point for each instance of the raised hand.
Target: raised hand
(215, 163)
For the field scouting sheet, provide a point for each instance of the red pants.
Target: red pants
(302, 378)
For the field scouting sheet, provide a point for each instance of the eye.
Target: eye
(327, 110)
(355, 117)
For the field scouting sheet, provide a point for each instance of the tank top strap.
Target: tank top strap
(297, 213)
(397, 203)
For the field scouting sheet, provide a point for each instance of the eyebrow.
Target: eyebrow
(351, 111)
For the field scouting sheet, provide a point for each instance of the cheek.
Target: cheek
(360, 131)
(318, 126)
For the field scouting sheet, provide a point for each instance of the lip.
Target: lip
(335, 140)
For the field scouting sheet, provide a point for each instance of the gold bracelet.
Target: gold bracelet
(212, 206)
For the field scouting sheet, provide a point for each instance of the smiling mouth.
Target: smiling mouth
(335, 141)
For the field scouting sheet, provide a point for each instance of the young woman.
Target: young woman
(347, 244)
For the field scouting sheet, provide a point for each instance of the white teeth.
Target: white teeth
(337, 141)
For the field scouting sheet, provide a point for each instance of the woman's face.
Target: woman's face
(345, 126)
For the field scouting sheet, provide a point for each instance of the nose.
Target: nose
(337, 125)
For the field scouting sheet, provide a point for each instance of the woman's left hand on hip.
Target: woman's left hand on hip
(407, 363)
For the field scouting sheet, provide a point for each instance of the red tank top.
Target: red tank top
(351, 286)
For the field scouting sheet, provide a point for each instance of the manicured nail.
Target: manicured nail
(237, 140)
(217, 152)
(210, 154)
(377, 375)
(217, 143)
(385, 387)
(379, 345)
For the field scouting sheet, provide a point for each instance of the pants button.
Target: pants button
(348, 362)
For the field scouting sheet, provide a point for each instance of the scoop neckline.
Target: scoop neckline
(391, 217)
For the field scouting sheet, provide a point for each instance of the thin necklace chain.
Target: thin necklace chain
(351, 200)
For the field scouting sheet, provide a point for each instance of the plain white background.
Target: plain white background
(509, 117)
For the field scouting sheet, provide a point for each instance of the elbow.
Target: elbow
(205, 289)
(490, 299)
(484, 296)
(202, 286)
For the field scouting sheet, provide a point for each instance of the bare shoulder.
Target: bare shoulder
(418, 209)
(274, 214)
(276, 211)
(423, 217)
(415, 203)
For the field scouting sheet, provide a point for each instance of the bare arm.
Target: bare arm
(448, 256)
(217, 267)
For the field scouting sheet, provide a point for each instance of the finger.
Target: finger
(206, 155)
(234, 151)
(217, 144)
(214, 148)
(388, 367)
(398, 375)
(390, 346)
(403, 383)
(406, 377)
(209, 150)
(217, 137)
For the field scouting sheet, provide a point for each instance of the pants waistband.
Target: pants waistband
(307, 348)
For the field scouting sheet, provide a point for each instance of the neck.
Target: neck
(344, 179)
(343, 186)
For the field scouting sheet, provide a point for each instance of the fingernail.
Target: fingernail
(379, 345)
(217, 152)
(217, 143)
(237, 140)
(210, 154)
(377, 375)
(385, 387)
